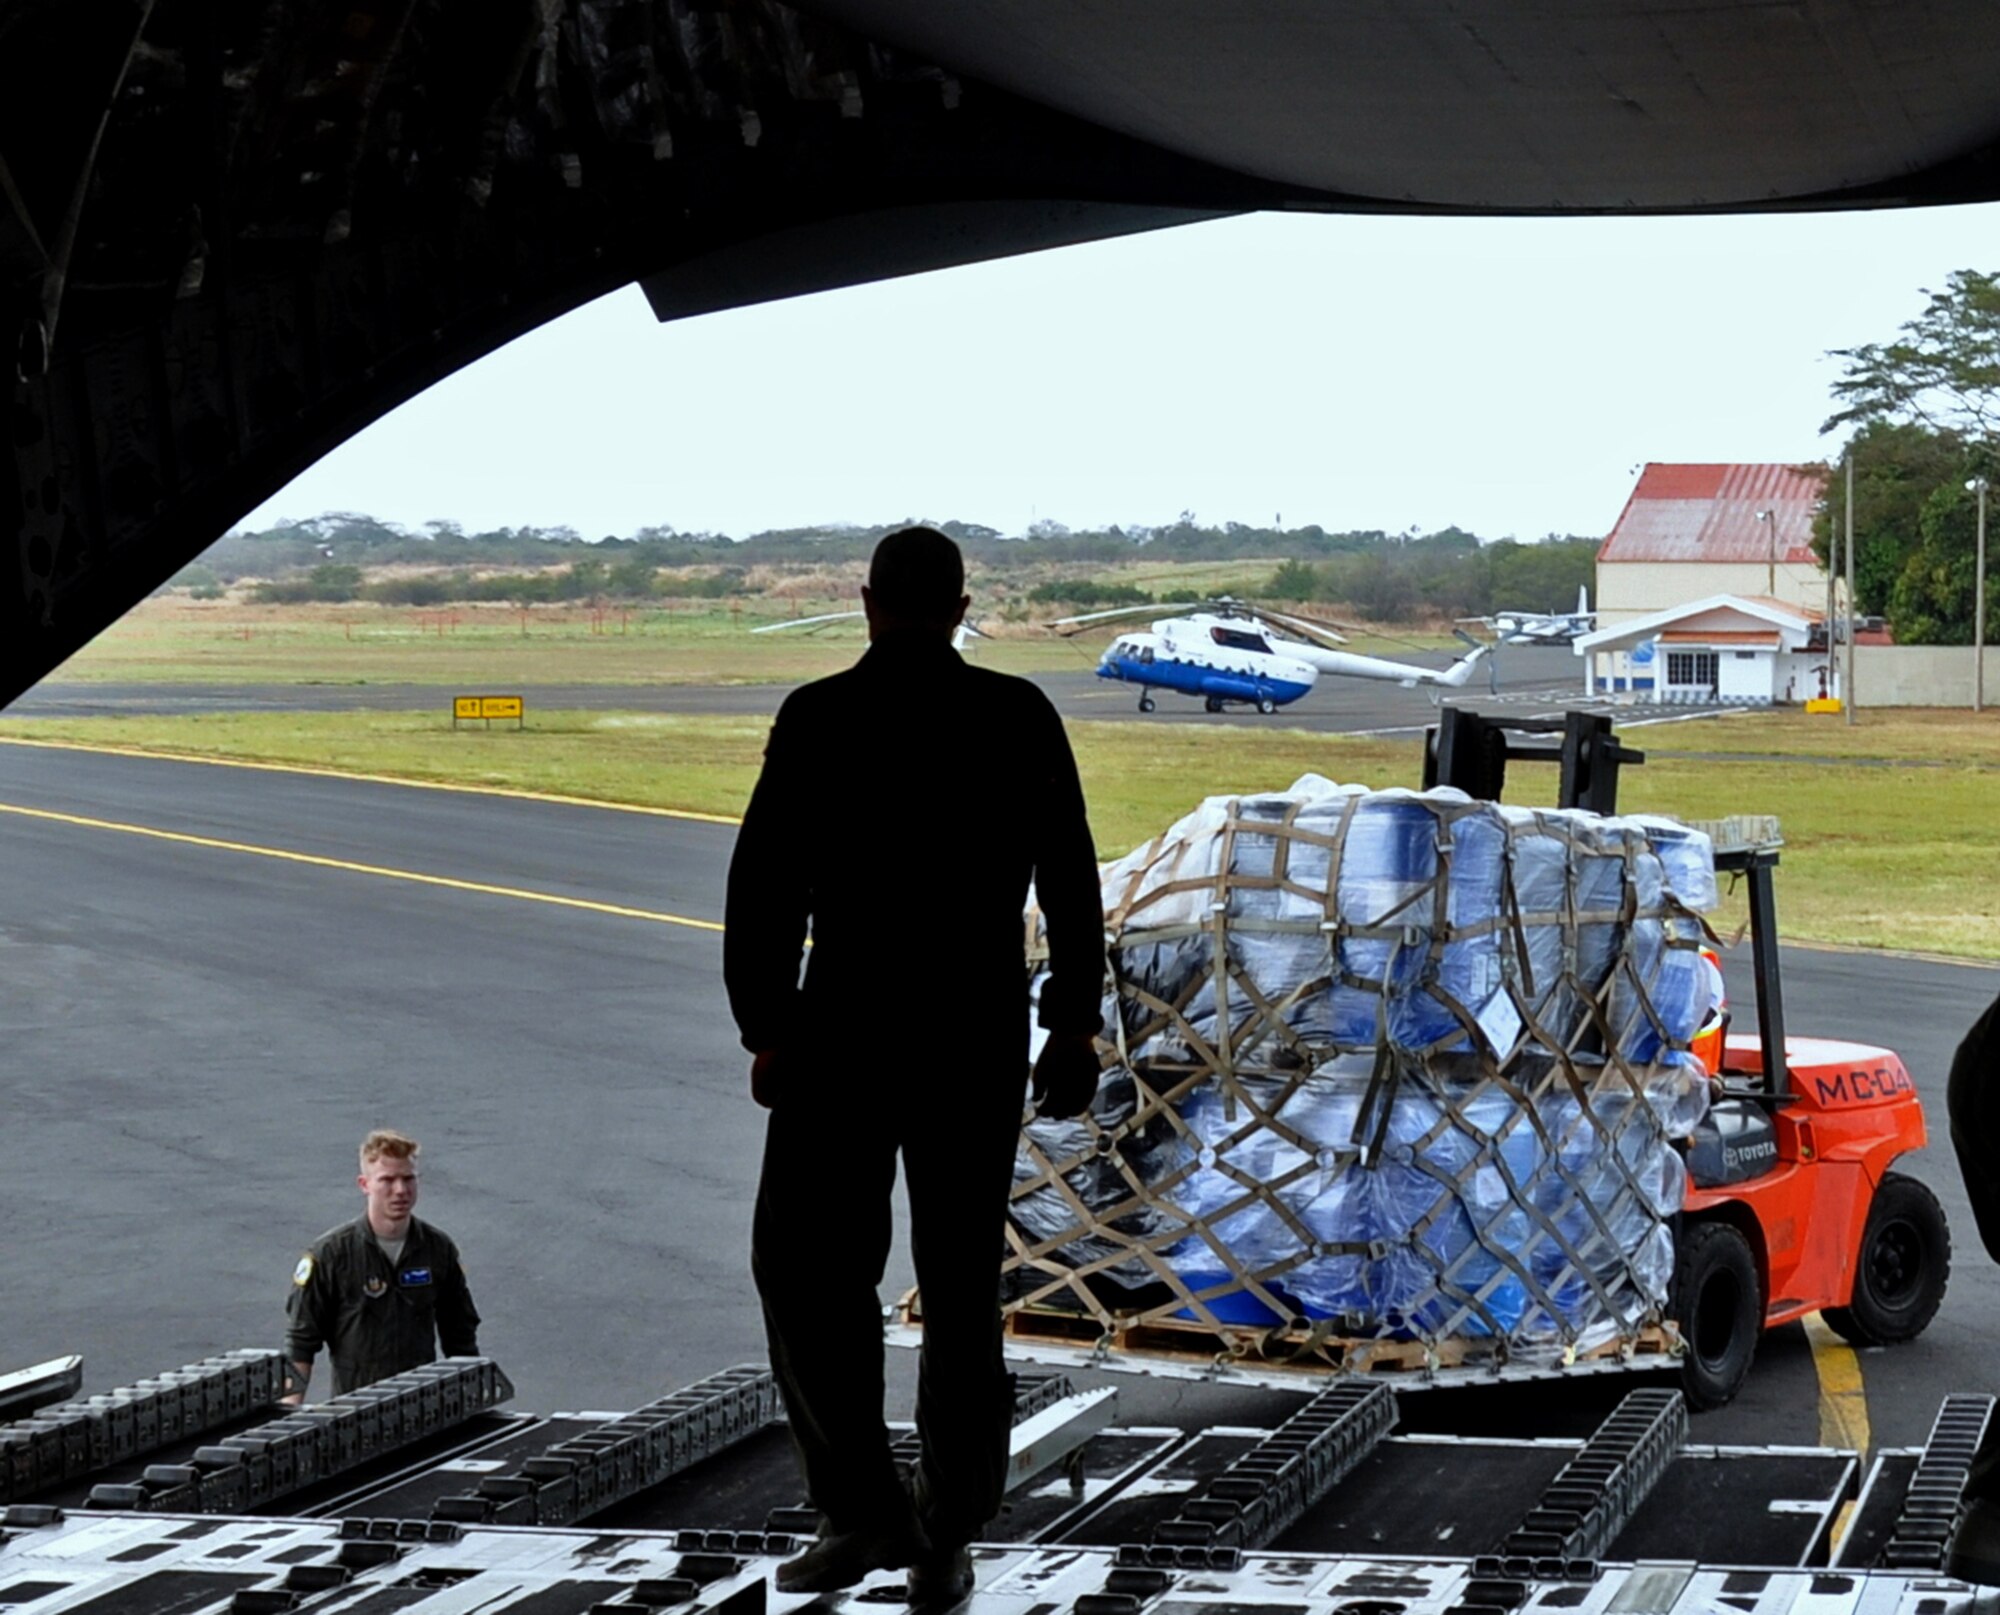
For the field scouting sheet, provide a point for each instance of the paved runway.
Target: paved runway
(1532, 679)
(196, 1034)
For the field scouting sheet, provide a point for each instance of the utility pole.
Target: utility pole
(1979, 486)
(1847, 685)
(1770, 520)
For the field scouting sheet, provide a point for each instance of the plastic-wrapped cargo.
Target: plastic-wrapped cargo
(1390, 1066)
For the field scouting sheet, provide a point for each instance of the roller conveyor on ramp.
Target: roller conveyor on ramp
(1303, 1506)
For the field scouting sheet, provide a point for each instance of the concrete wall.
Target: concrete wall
(1744, 675)
(1920, 675)
(1628, 589)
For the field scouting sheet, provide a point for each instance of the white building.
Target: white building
(1726, 647)
(1689, 532)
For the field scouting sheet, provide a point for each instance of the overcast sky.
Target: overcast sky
(1506, 375)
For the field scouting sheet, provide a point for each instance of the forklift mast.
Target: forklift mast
(1470, 751)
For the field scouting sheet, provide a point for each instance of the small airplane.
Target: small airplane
(1236, 656)
(1542, 627)
(964, 633)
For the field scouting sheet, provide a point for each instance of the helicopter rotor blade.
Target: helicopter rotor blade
(806, 622)
(1295, 622)
(1151, 608)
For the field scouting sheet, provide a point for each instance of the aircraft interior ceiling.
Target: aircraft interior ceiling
(233, 232)
(1567, 105)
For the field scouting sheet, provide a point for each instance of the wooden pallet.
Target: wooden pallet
(1189, 1341)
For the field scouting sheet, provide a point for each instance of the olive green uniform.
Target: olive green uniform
(379, 1317)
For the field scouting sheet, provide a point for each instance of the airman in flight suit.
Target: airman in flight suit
(383, 1292)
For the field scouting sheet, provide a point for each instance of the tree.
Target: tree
(1897, 467)
(1539, 577)
(1942, 373)
(1294, 580)
(1927, 406)
(1931, 601)
(634, 577)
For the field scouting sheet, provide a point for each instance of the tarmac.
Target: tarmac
(1531, 679)
(221, 976)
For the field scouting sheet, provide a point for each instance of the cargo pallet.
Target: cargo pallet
(1285, 1358)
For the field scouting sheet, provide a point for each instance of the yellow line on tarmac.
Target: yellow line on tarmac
(1843, 1403)
(308, 769)
(286, 855)
(1843, 1399)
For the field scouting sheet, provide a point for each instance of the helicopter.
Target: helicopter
(1241, 654)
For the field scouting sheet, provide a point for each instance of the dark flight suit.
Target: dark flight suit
(1972, 1100)
(377, 1317)
(903, 809)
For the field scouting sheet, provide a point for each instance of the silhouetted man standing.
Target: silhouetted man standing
(1972, 1099)
(905, 805)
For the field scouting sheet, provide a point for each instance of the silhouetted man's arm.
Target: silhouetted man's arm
(770, 898)
(1073, 918)
(1066, 887)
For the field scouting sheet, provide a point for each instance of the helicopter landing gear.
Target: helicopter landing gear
(1266, 705)
(1212, 704)
(1146, 702)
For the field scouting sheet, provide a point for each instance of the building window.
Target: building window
(1691, 669)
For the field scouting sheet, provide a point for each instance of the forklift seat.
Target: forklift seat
(1735, 1142)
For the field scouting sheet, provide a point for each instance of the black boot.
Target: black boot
(939, 1580)
(841, 1558)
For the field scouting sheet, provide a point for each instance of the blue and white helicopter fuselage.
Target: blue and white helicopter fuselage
(1220, 660)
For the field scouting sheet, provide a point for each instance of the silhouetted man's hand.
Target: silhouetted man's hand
(767, 1074)
(1065, 1079)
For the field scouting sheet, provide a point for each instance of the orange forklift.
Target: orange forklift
(1793, 1205)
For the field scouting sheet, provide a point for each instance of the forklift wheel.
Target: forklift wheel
(1901, 1268)
(1720, 1306)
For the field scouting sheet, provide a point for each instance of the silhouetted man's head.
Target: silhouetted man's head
(916, 584)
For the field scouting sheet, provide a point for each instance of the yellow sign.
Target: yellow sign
(472, 708)
(1823, 703)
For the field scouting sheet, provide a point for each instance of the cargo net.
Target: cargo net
(1389, 1067)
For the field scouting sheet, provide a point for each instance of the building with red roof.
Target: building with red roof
(1689, 532)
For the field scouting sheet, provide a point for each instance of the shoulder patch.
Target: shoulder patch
(302, 1274)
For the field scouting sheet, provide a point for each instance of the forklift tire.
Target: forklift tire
(1720, 1306)
(1901, 1269)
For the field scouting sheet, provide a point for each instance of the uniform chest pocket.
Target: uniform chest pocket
(414, 1277)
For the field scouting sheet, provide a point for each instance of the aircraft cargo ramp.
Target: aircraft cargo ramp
(424, 1495)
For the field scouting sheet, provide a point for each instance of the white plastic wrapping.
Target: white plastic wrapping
(1399, 1064)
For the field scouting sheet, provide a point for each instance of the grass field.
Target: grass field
(175, 640)
(1887, 735)
(1895, 855)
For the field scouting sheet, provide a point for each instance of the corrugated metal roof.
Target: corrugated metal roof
(1709, 513)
